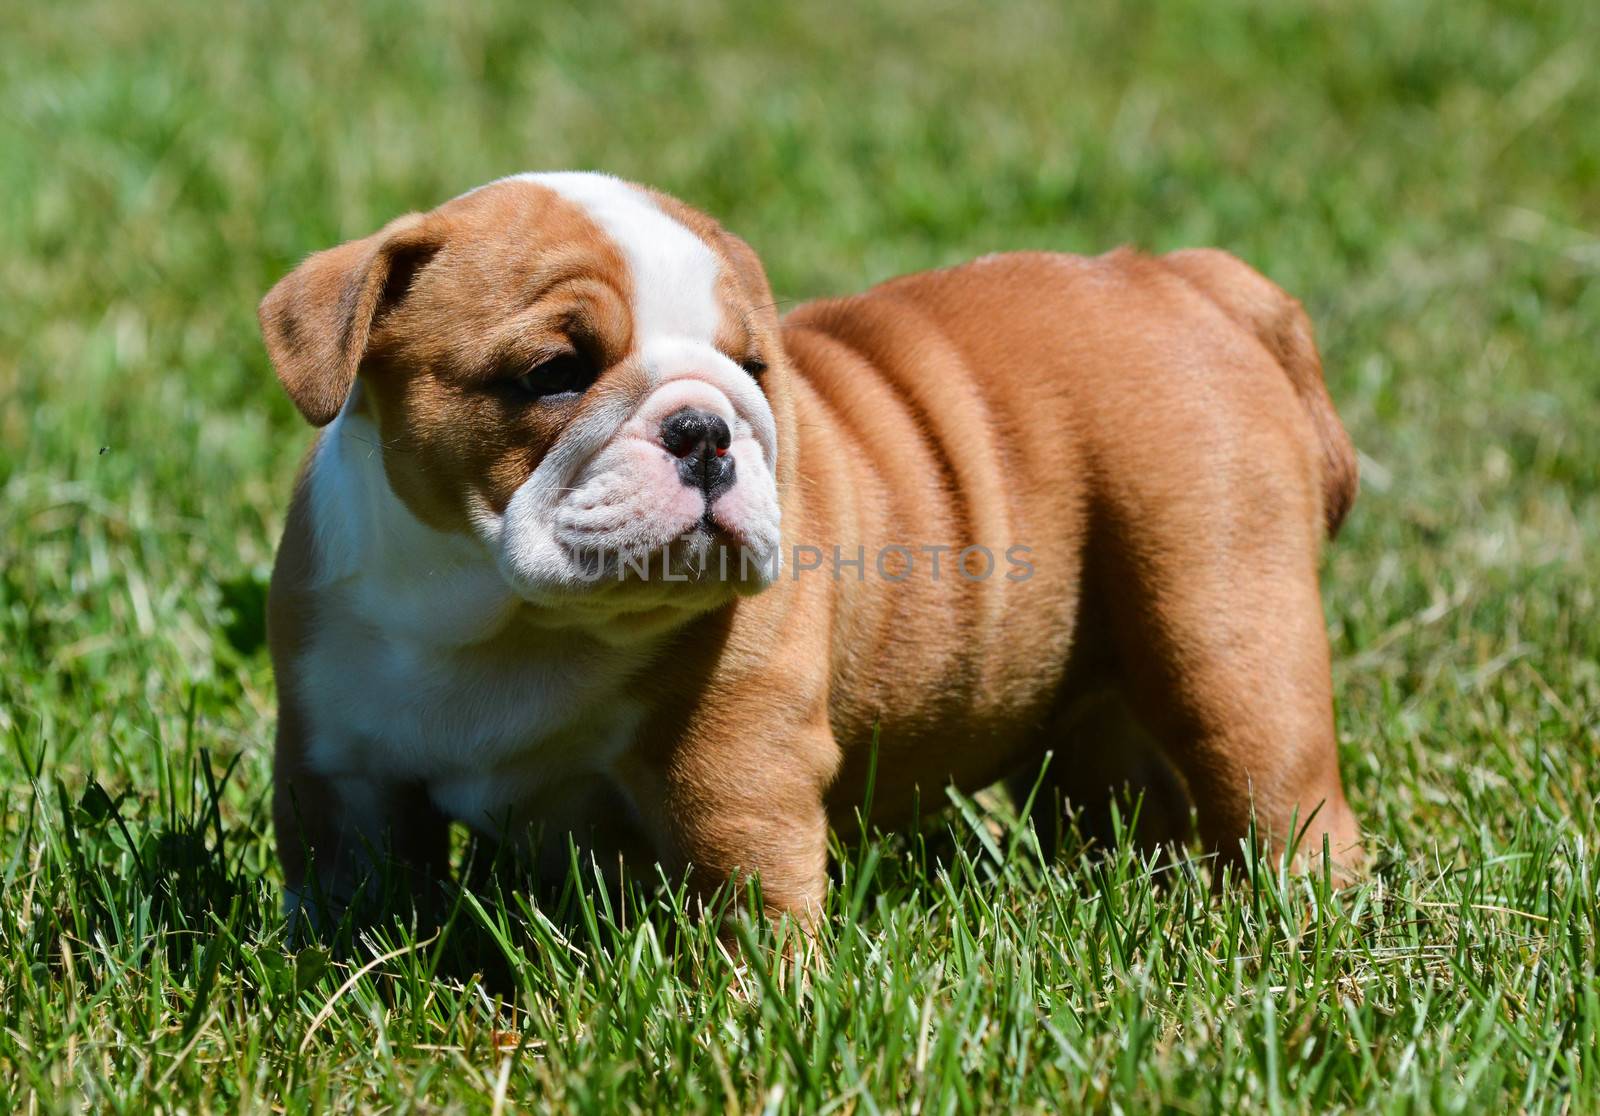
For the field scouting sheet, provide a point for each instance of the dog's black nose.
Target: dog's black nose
(699, 440)
(688, 432)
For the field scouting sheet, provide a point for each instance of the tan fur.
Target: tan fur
(1155, 430)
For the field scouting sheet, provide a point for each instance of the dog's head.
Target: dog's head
(575, 371)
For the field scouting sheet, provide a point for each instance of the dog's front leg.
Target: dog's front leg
(735, 799)
(339, 836)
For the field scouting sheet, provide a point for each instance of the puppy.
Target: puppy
(592, 543)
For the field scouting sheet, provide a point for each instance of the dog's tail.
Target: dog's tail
(1262, 307)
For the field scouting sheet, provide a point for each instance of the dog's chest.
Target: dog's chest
(484, 728)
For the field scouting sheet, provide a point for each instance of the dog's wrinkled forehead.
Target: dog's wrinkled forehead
(664, 260)
(672, 273)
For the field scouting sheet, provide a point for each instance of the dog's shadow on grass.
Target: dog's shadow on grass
(496, 922)
(497, 917)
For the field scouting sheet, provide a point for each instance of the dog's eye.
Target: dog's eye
(753, 365)
(567, 374)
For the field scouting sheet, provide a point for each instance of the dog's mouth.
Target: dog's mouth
(705, 553)
(623, 595)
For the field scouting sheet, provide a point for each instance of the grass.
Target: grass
(1426, 176)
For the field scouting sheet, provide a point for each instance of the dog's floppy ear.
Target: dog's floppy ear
(316, 321)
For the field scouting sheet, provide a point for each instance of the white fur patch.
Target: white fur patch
(392, 682)
(674, 273)
(430, 585)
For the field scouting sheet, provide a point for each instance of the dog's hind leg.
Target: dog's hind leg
(1217, 627)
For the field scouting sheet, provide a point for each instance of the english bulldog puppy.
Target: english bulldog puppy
(593, 541)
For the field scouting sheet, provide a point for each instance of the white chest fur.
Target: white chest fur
(399, 680)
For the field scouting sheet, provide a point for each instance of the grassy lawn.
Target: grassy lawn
(1426, 176)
